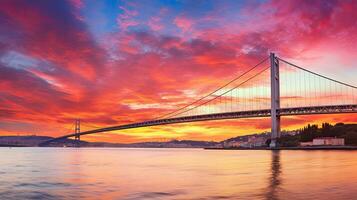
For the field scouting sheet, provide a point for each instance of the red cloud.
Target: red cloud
(183, 23)
(139, 75)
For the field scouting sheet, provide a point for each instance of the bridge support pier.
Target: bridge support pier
(275, 100)
(77, 130)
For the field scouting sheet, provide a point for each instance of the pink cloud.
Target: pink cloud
(154, 24)
(183, 23)
(126, 19)
(123, 79)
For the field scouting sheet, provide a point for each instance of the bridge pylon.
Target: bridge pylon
(77, 130)
(275, 100)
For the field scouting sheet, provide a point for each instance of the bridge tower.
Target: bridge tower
(275, 100)
(77, 130)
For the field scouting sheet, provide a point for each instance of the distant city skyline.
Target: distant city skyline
(115, 62)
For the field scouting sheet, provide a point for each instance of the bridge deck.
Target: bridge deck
(333, 109)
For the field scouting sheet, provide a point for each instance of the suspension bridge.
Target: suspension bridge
(272, 88)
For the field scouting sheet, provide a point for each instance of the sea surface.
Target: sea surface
(117, 173)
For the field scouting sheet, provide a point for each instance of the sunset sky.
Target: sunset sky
(116, 62)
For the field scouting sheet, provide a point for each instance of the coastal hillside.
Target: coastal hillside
(310, 132)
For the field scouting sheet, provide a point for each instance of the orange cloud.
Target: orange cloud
(52, 69)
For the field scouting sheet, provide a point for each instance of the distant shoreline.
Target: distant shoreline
(214, 148)
(291, 148)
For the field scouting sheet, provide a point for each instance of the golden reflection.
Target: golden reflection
(274, 181)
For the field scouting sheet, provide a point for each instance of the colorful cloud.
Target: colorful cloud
(110, 62)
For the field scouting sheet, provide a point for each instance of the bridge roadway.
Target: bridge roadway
(332, 109)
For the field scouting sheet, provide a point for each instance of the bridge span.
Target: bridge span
(246, 97)
(334, 109)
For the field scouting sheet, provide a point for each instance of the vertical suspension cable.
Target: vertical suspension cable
(340, 91)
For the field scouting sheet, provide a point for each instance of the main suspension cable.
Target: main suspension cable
(225, 92)
(246, 72)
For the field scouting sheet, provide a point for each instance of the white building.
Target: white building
(324, 141)
(328, 141)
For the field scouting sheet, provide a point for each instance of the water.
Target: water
(112, 173)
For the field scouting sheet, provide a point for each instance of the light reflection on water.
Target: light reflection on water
(110, 173)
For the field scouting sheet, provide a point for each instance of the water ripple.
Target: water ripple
(43, 184)
(153, 195)
(35, 195)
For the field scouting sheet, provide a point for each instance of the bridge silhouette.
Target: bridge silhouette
(289, 90)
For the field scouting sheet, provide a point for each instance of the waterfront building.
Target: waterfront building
(325, 141)
(328, 141)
